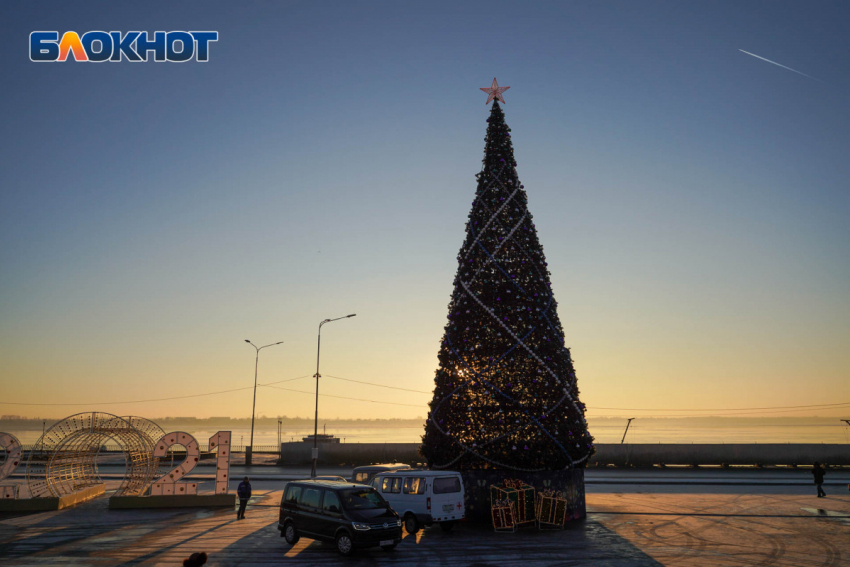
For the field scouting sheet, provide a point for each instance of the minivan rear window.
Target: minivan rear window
(446, 484)
(292, 494)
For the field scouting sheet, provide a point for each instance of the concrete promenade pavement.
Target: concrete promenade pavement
(629, 523)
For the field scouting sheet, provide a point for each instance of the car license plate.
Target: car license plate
(448, 507)
(386, 542)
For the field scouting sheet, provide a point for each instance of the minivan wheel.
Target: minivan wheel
(344, 544)
(291, 534)
(447, 526)
(411, 524)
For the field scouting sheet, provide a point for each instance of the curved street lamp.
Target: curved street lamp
(316, 421)
(250, 449)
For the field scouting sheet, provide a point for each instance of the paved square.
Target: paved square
(634, 528)
(731, 529)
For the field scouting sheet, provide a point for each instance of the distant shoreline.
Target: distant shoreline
(705, 429)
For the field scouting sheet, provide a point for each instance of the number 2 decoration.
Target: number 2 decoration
(169, 483)
(13, 456)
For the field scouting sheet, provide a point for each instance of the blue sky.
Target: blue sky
(692, 200)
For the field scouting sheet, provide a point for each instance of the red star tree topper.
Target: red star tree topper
(495, 92)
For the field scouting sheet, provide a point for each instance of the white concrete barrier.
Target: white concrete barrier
(629, 454)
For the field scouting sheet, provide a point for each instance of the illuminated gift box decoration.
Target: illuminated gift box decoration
(551, 510)
(520, 494)
(504, 518)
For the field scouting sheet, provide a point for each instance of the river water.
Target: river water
(605, 430)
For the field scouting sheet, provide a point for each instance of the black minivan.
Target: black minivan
(351, 515)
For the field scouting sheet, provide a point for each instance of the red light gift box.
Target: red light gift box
(520, 494)
(504, 519)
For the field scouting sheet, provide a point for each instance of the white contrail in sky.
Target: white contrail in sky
(778, 64)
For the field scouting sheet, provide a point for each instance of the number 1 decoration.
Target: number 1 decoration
(221, 442)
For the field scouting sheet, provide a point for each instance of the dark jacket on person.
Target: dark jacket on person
(818, 472)
(244, 490)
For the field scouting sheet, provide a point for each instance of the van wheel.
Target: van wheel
(447, 526)
(290, 534)
(344, 544)
(411, 524)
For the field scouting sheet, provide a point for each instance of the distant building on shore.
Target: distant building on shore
(323, 437)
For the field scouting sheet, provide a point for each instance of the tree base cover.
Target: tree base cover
(477, 483)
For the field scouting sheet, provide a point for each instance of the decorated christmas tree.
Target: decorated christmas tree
(505, 393)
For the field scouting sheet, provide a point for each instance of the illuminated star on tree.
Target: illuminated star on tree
(495, 92)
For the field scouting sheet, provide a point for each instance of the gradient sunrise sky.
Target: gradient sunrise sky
(693, 201)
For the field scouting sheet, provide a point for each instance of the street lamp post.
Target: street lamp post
(280, 440)
(316, 420)
(250, 449)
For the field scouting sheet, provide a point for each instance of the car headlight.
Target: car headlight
(360, 526)
(398, 522)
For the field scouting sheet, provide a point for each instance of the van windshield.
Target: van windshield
(362, 499)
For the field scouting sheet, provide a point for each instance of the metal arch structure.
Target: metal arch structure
(12, 449)
(64, 460)
(145, 474)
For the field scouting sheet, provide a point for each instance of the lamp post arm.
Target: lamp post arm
(626, 431)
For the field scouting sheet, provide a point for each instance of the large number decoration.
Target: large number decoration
(12, 447)
(169, 483)
(64, 460)
(221, 443)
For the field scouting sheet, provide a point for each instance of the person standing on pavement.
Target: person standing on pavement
(244, 493)
(818, 473)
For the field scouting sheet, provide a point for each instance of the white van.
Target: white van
(365, 474)
(423, 497)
